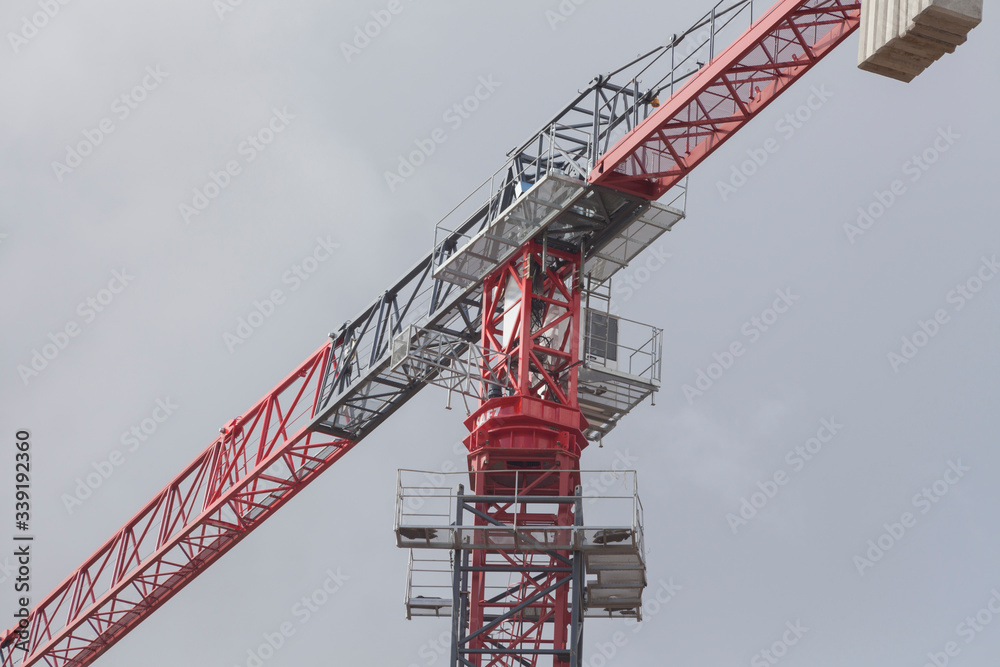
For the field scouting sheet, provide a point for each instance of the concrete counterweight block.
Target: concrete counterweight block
(901, 38)
(963, 15)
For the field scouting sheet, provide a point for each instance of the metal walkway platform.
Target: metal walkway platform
(616, 591)
(613, 552)
(621, 369)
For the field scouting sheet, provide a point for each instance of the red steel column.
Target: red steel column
(526, 440)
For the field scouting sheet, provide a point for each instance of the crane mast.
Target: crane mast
(499, 313)
(524, 448)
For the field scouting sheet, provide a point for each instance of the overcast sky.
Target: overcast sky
(206, 82)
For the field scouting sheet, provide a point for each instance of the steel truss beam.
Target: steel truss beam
(532, 324)
(725, 95)
(526, 620)
(257, 464)
(361, 386)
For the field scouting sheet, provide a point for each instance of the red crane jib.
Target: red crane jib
(724, 95)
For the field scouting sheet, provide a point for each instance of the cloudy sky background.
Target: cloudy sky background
(323, 177)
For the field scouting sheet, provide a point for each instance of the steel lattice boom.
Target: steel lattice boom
(725, 95)
(257, 464)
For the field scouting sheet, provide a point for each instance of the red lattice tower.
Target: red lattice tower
(526, 444)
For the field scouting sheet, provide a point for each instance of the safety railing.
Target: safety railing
(616, 343)
(429, 515)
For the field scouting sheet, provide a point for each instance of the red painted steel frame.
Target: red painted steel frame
(535, 360)
(260, 461)
(531, 337)
(721, 98)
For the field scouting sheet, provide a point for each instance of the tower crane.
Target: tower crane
(509, 309)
